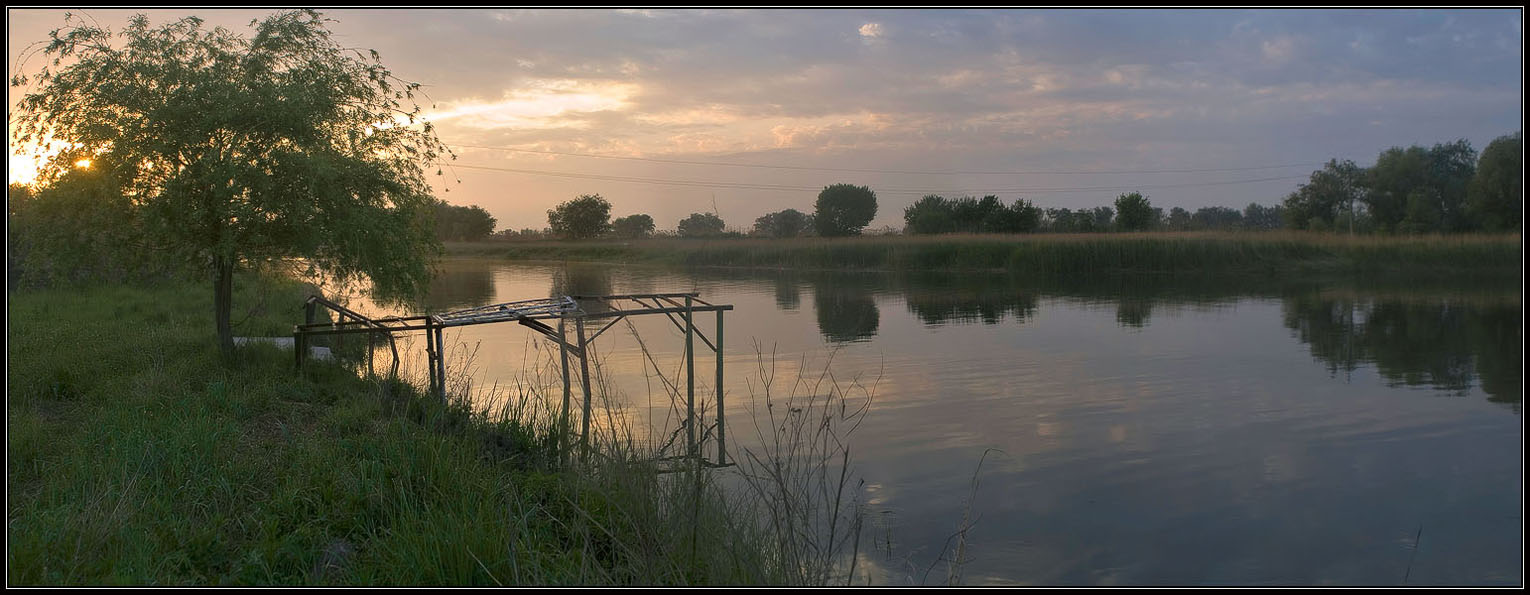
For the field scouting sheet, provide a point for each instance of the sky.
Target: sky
(745, 112)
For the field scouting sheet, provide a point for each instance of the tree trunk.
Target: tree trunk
(223, 299)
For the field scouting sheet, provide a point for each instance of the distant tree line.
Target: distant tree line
(841, 210)
(1447, 188)
(1132, 212)
(936, 214)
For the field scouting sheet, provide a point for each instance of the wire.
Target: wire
(895, 190)
(899, 171)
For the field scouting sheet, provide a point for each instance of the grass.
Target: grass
(1049, 254)
(137, 456)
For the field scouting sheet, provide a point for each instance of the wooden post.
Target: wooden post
(298, 347)
(564, 429)
(300, 340)
(440, 363)
(722, 453)
(430, 353)
(371, 340)
(584, 373)
(690, 380)
(393, 346)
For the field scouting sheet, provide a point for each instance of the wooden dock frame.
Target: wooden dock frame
(531, 314)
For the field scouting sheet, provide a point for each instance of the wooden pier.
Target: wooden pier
(537, 314)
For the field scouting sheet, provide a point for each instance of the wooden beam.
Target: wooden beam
(722, 453)
(690, 382)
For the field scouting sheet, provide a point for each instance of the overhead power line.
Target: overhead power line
(892, 190)
(897, 171)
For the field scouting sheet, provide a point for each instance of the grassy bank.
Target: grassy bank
(1048, 254)
(137, 456)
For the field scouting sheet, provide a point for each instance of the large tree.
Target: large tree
(700, 225)
(1134, 212)
(463, 224)
(241, 150)
(633, 226)
(930, 214)
(844, 210)
(1495, 198)
(1331, 192)
(587, 216)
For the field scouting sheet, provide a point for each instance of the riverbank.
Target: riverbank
(1048, 254)
(137, 456)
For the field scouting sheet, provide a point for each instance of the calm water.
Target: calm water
(1144, 432)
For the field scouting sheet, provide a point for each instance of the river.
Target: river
(1131, 431)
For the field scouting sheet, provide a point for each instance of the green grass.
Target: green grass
(1048, 254)
(137, 456)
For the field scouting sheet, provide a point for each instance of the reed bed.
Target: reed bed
(1048, 254)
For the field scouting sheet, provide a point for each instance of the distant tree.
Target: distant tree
(1023, 217)
(935, 214)
(236, 151)
(1420, 190)
(1179, 219)
(1099, 219)
(632, 226)
(1207, 218)
(462, 224)
(1133, 212)
(1328, 193)
(1495, 198)
(1063, 220)
(1397, 174)
(977, 215)
(700, 225)
(526, 233)
(1261, 218)
(929, 215)
(585, 217)
(1440, 204)
(844, 210)
(789, 223)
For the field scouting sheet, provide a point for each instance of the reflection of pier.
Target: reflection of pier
(535, 314)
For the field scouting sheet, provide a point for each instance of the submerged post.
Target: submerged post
(690, 379)
(584, 373)
(722, 454)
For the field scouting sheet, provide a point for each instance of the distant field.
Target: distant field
(1048, 254)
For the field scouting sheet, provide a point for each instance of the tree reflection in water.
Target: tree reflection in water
(1445, 344)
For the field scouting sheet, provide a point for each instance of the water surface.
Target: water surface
(1139, 431)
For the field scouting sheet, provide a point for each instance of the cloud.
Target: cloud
(541, 103)
(989, 89)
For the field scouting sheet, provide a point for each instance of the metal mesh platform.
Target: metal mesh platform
(509, 311)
